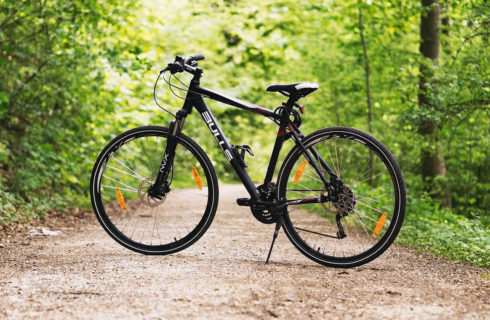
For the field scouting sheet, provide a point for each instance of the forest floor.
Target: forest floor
(84, 274)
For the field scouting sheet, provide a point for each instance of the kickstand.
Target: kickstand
(276, 231)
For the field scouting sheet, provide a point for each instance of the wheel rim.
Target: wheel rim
(374, 204)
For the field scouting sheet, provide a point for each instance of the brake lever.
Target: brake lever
(175, 67)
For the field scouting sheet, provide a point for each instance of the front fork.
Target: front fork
(161, 186)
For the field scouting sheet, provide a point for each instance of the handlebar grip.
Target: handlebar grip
(194, 57)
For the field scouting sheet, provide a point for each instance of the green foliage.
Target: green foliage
(439, 231)
(76, 73)
(52, 56)
(16, 209)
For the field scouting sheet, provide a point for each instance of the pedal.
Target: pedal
(244, 202)
(240, 150)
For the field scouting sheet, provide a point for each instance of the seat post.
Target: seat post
(291, 101)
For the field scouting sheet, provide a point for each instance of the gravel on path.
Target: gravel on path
(84, 274)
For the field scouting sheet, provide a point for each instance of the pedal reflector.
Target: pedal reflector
(120, 199)
(197, 177)
(380, 224)
(299, 173)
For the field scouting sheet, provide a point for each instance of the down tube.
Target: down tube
(226, 146)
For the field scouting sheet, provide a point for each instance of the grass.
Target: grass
(443, 233)
(17, 209)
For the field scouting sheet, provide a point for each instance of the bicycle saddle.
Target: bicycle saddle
(299, 89)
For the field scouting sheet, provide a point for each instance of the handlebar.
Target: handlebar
(194, 57)
(181, 64)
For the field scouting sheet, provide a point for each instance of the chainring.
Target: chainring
(264, 214)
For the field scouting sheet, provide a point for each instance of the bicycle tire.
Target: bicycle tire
(311, 228)
(117, 189)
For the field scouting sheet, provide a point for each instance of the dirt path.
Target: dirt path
(85, 274)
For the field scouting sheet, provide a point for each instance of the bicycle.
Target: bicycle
(339, 194)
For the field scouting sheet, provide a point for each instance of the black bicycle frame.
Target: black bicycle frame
(194, 98)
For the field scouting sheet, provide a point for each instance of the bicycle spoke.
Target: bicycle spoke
(125, 166)
(374, 198)
(131, 188)
(193, 192)
(361, 223)
(365, 197)
(122, 171)
(146, 224)
(328, 210)
(150, 167)
(315, 173)
(368, 206)
(370, 178)
(140, 220)
(358, 237)
(313, 178)
(365, 216)
(337, 158)
(331, 159)
(314, 232)
(129, 216)
(123, 189)
(156, 226)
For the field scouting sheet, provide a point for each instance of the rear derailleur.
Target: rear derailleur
(344, 201)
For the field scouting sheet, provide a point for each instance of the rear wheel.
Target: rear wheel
(124, 171)
(370, 204)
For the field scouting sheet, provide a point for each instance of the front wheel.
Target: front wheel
(125, 170)
(370, 206)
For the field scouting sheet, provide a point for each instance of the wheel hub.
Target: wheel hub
(144, 195)
(346, 201)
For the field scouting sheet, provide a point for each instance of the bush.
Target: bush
(441, 232)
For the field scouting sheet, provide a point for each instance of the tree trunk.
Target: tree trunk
(368, 90)
(446, 24)
(432, 159)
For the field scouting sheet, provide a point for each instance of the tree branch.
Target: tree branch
(29, 79)
(466, 39)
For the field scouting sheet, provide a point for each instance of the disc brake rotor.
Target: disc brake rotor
(346, 202)
(145, 198)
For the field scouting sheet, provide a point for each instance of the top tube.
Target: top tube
(236, 102)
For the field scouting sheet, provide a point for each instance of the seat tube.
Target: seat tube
(280, 138)
(275, 155)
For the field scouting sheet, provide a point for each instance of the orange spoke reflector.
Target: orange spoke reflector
(380, 224)
(197, 177)
(120, 199)
(299, 173)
